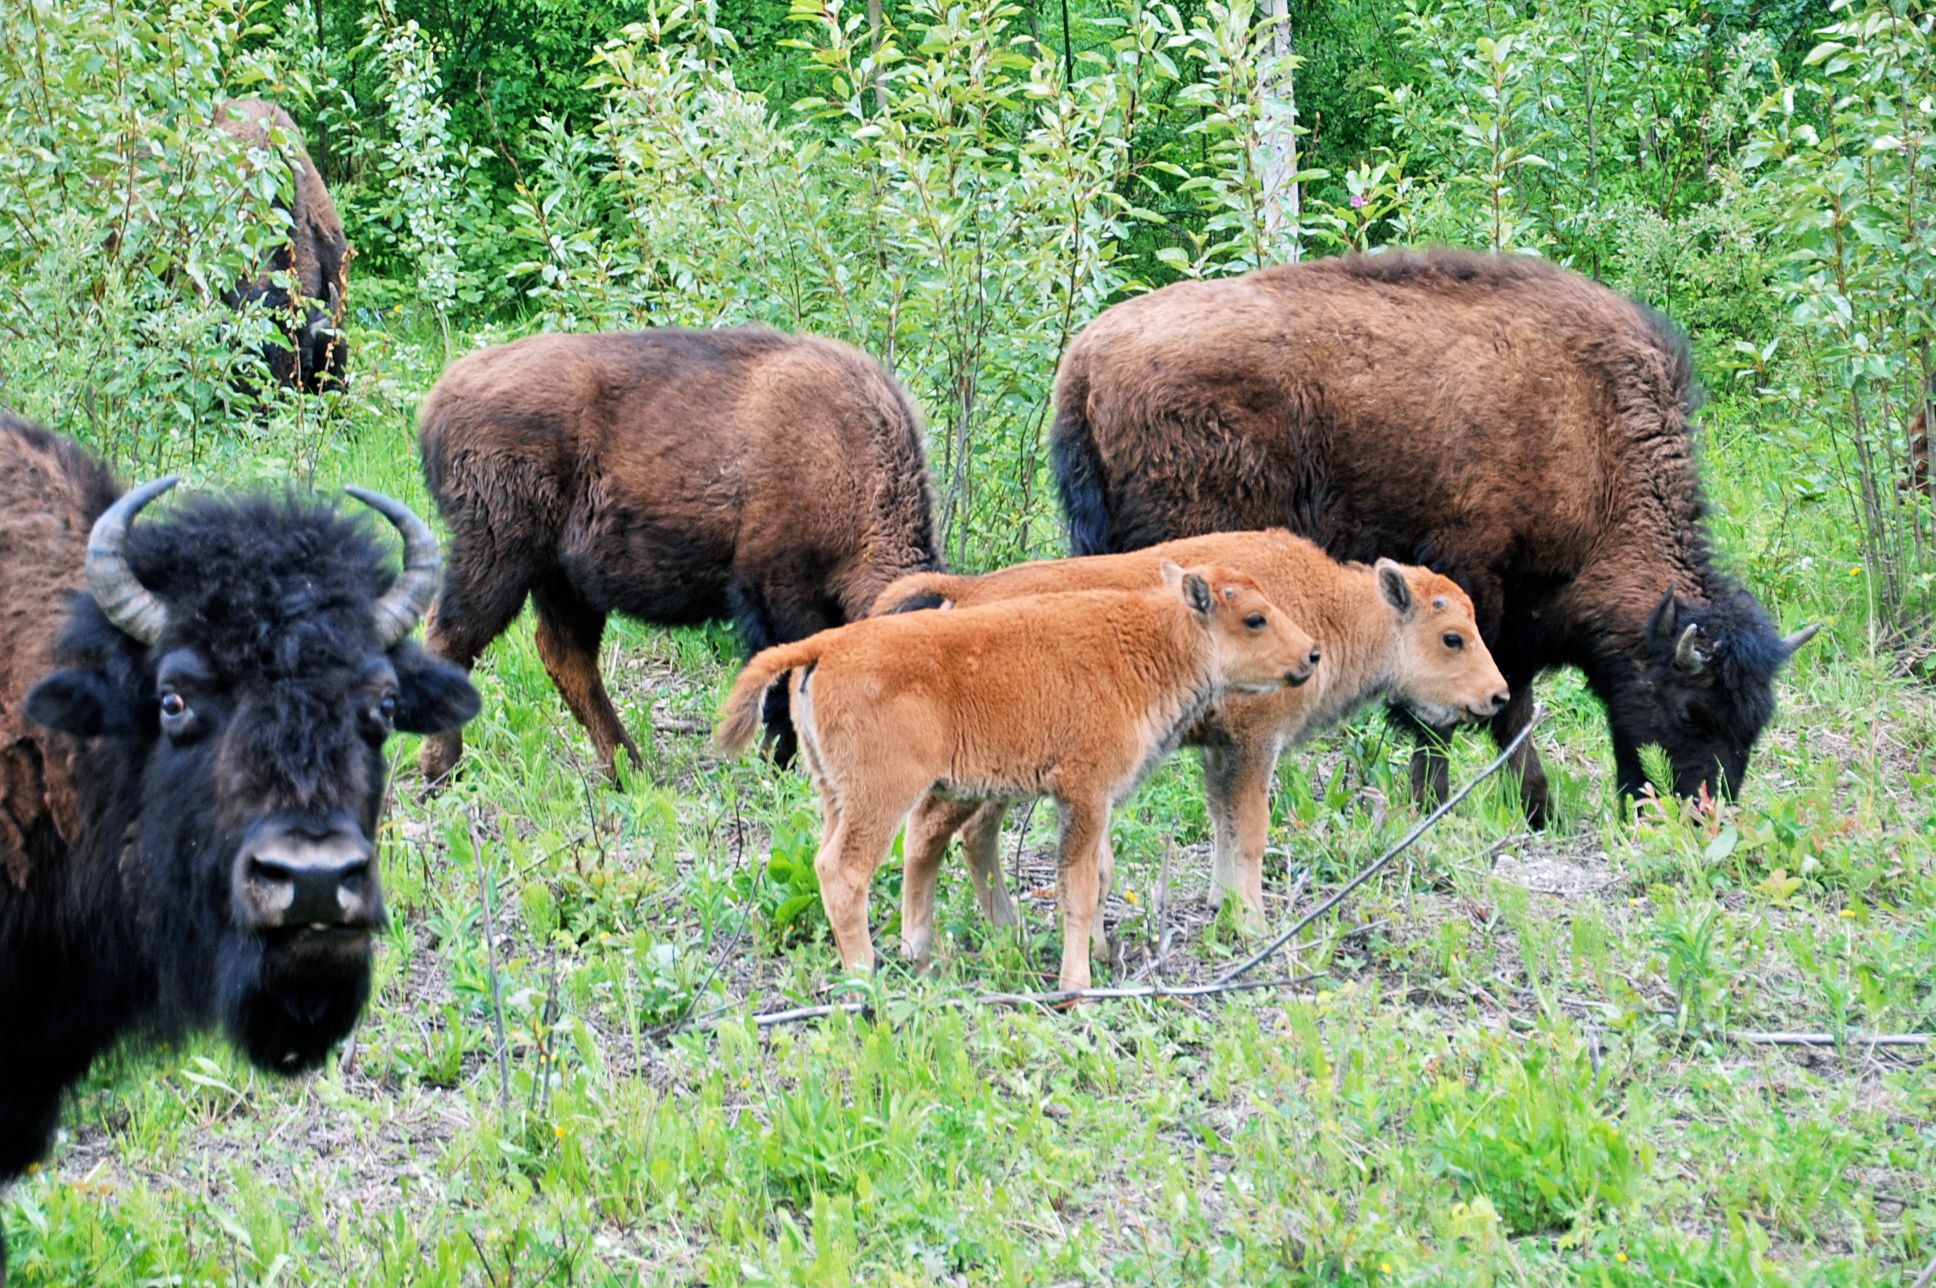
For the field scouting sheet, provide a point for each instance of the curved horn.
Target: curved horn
(1688, 657)
(131, 606)
(1800, 637)
(404, 604)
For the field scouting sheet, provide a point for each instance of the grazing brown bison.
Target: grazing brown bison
(1509, 423)
(316, 250)
(192, 715)
(673, 476)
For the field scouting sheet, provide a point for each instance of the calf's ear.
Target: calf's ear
(1392, 585)
(79, 702)
(1196, 593)
(1172, 574)
(433, 695)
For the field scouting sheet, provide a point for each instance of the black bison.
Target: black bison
(190, 767)
(673, 476)
(1514, 425)
(316, 250)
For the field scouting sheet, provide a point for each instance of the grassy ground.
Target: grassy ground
(1515, 1067)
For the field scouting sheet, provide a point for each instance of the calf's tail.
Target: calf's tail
(740, 717)
(1078, 477)
(919, 590)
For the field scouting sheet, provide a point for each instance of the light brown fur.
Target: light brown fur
(1372, 647)
(50, 495)
(1069, 696)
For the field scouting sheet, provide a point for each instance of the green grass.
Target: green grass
(1514, 1070)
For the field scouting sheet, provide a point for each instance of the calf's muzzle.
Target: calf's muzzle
(296, 874)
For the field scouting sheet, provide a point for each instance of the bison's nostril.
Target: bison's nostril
(289, 879)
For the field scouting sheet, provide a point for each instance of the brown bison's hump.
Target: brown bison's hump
(609, 396)
(51, 491)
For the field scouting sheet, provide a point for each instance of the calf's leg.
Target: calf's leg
(934, 821)
(1085, 834)
(569, 631)
(981, 841)
(868, 820)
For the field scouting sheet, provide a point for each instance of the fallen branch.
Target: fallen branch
(1378, 865)
(772, 1019)
(1758, 1038)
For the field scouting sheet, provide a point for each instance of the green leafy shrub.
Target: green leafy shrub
(1526, 1133)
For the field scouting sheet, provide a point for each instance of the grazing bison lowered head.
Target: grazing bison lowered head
(192, 715)
(1701, 686)
(317, 255)
(239, 667)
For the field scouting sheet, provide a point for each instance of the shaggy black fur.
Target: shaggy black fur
(125, 932)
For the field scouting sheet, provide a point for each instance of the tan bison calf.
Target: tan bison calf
(1400, 633)
(1070, 696)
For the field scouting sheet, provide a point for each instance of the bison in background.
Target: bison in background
(673, 476)
(316, 250)
(1514, 425)
(192, 715)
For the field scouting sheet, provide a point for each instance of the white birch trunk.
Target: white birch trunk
(1283, 204)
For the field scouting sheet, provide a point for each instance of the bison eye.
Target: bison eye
(174, 707)
(1454, 641)
(1255, 621)
(385, 710)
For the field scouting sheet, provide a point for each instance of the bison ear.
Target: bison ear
(433, 696)
(1393, 586)
(81, 703)
(1172, 573)
(1664, 622)
(1196, 593)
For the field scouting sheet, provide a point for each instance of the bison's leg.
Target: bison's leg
(1431, 769)
(1237, 779)
(776, 612)
(569, 630)
(1085, 834)
(845, 866)
(1105, 881)
(934, 821)
(479, 600)
(1532, 775)
(981, 841)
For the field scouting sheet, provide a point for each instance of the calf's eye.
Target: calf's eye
(1255, 621)
(1454, 641)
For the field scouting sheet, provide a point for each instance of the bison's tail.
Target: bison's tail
(740, 717)
(1078, 479)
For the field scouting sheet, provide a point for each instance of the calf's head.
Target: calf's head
(1705, 689)
(246, 660)
(1258, 648)
(1444, 671)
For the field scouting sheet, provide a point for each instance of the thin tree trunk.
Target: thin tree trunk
(874, 30)
(1283, 203)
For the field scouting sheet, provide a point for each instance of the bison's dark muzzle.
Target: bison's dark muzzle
(294, 875)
